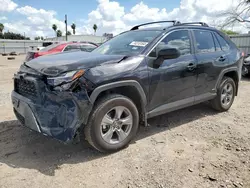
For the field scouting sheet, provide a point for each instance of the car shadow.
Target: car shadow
(174, 119)
(246, 78)
(22, 148)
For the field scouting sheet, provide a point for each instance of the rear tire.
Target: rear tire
(225, 95)
(113, 123)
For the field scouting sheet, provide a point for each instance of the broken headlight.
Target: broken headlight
(64, 81)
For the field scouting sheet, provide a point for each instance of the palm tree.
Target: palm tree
(54, 27)
(73, 26)
(95, 27)
(68, 33)
(58, 33)
(1, 28)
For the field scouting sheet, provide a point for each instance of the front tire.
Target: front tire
(113, 123)
(244, 71)
(225, 95)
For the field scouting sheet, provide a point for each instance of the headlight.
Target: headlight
(65, 78)
(246, 63)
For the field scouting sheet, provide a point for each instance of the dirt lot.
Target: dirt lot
(193, 147)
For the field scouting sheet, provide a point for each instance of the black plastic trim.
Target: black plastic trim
(180, 104)
(223, 72)
(193, 23)
(105, 87)
(149, 23)
(171, 107)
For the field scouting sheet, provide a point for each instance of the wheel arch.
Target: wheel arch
(129, 88)
(231, 72)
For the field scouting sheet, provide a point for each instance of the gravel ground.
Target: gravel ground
(193, 147)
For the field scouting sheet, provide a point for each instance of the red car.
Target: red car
(61, 47)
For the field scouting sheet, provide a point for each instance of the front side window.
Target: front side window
(129, 43)
(223, 43)
(177, 39)
(204, 41)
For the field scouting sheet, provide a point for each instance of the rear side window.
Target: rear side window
(223, 43)
(45, 44)
(204, 41)
(50, 47)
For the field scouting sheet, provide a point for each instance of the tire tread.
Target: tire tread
(100, 104)
(216, 103)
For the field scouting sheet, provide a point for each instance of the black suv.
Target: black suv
(104, 95)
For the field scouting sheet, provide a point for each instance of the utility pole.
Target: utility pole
(66, 23)
(24, 43)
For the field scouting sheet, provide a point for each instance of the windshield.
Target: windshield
(129, 43)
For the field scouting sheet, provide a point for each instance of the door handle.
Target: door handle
(222, 58)
(191, 66)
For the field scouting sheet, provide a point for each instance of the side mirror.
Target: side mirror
(169, 53)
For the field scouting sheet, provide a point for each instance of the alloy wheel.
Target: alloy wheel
(116, 125)
(227, 94)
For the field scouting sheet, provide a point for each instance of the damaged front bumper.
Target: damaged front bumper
(245, 69)
(56, 114)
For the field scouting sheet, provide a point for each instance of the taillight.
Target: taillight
(36, 54)
(242, 54)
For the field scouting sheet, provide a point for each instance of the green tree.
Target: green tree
(68, 33)
(95, 27)
(54, 27)
(73, 26)
(1, 28)
(229, 32)
(37, 38)
(42, 38)
(11, 35)
(58, 33)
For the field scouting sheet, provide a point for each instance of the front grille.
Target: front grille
(25, 87)
(19, 117)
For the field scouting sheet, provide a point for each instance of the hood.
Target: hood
(56, 64)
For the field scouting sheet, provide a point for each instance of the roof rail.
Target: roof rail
(193, 23)
(149, 23)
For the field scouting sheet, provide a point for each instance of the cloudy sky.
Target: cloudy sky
(35, 17)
